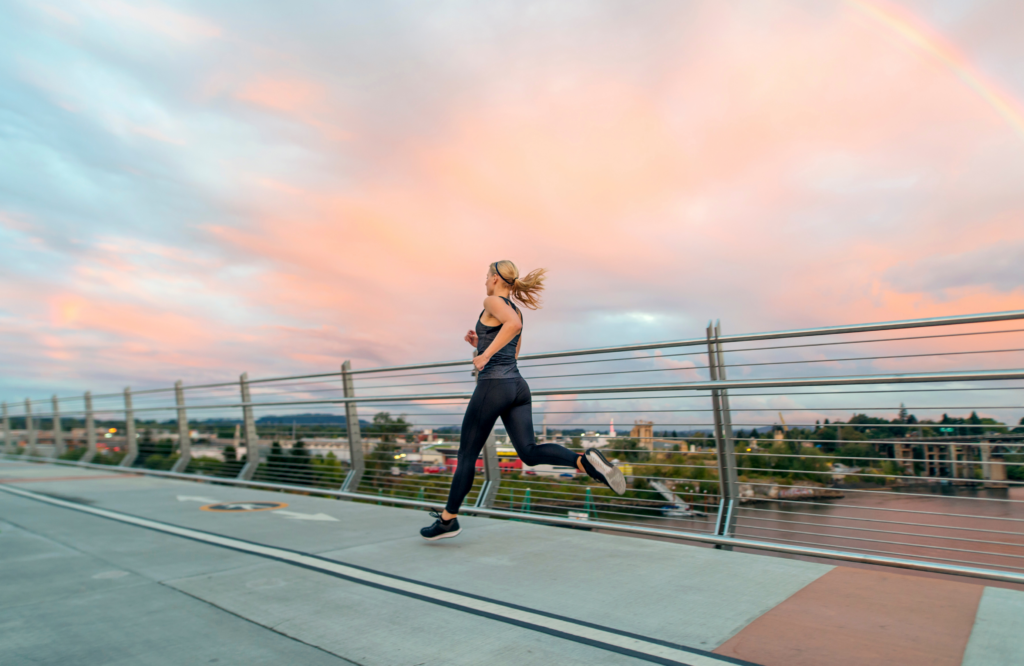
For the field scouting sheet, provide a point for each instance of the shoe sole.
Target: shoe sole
(445, 535)
(616, 481)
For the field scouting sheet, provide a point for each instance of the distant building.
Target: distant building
(643, 431)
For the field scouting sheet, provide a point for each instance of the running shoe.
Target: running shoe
(440, 529)
(599, 469)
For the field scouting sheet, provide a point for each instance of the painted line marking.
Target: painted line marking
(19, 479)
(633, 645)
(295, 515)
(243, 507)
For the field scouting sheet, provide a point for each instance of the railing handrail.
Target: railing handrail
(853, 380)
(743, 337)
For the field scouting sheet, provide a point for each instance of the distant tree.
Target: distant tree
(629, 450)
(903, 415)
(232, 465)
(300, 464)
(387, 427)
(383, 457)
(277, 464)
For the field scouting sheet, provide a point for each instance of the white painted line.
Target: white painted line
(663, 653)
(192, 498)
(295, 515)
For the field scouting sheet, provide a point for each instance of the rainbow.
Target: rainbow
(921, 36)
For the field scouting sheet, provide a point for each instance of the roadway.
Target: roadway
(105, 568)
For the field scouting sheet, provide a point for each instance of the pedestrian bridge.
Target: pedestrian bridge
(114, 566)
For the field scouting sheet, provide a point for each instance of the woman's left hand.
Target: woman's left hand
(480, 361)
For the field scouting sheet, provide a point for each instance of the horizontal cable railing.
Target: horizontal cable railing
(804, 447)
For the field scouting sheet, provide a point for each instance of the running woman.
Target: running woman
(501, 391)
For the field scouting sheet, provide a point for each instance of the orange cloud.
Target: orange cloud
(282, 94)
(299, 98)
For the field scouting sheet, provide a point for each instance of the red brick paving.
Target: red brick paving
(855, 617)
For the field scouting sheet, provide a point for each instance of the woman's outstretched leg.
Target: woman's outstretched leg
(518, 421)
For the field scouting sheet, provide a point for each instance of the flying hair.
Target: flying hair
(525, 290)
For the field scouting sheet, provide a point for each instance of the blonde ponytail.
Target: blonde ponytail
(525, 290)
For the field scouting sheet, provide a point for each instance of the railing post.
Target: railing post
(90, 430)
(30, 429)
(252, 440)
(355, 438)
(986, 461)
(492, 471)
(7, 431)
(725, 523)
(131, 448)
(184, 443)
(58, 436)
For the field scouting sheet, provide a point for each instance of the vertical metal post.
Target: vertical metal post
(252, 440)
(58, 435)
(184, 443)
(986, 460)
(492, 470)
(131, 447)
(90, 430)
(7, 431)
(725, 524)
(727, 437)
(30, 429)
(355, 437)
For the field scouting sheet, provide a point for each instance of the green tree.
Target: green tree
(386, 427)
(383, 457)
(277, 464)
(629, 450)
(299, 464)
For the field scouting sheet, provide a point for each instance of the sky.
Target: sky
(190, 190)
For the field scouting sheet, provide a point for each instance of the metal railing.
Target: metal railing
(901, 447)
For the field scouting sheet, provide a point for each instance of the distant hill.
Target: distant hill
(305, 419)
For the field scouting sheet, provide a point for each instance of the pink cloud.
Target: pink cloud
(283, 94)
(299, 98)
(159, 18)
(796, 170)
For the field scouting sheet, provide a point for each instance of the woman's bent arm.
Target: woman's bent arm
(511, 324)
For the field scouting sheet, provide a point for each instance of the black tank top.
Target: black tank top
(503, 363)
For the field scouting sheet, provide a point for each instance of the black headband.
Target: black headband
(498, 273)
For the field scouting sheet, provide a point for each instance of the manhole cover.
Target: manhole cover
(237, 507)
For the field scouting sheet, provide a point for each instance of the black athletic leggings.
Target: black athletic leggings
(508, 398)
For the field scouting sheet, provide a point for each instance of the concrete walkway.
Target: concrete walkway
(107, 568)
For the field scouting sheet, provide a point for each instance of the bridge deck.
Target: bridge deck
(106, 568)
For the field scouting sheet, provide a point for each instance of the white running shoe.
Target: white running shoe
(600, 469)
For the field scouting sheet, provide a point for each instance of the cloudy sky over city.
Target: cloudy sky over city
(193, 189)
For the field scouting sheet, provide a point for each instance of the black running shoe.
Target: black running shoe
(600, 469)
(440, 529)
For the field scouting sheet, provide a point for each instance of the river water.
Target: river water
(950, 524)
